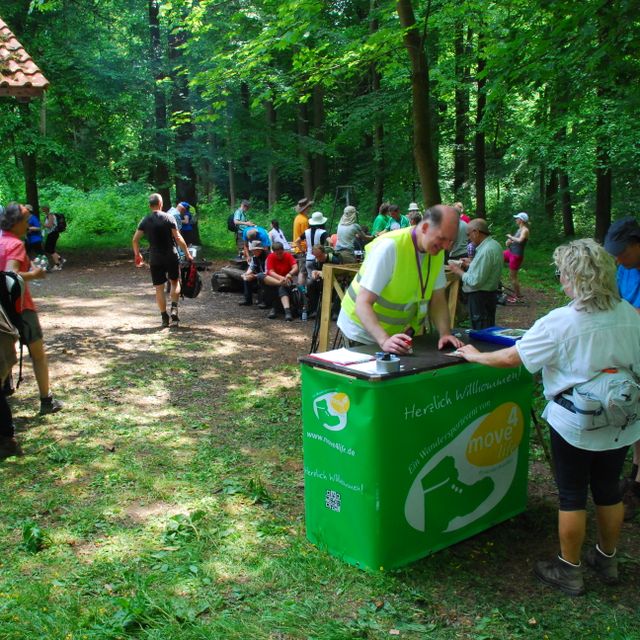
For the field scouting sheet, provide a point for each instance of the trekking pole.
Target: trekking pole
(545, 449)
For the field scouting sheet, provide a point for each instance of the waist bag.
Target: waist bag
(611, 398)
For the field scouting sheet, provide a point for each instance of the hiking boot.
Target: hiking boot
(165, 319)
(272, 314)
(287, 315)
(49, 405)
(631, 501)
(9, 448)
(560, 574)
(605, 566)
(174, 314)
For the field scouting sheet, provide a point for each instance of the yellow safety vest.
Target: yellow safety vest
(401, 303)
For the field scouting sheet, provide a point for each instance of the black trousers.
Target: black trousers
(6, 419)
(482, 308)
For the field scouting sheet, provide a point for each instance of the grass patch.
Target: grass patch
(167, 502)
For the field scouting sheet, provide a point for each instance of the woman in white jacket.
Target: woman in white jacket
(594, 339)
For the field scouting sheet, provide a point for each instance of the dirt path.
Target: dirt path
(101, 305)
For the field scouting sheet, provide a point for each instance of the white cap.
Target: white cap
(522, 216)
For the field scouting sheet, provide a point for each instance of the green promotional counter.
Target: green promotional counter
(400, 465)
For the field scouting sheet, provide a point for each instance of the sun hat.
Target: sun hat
(317, 218)
(522, 216)
(413, 206)
(255, 244)
(303, 204)
(621, 233)
(349, 215)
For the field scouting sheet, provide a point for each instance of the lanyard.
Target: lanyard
(424, 283)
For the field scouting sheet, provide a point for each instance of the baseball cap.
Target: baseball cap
(621, 233)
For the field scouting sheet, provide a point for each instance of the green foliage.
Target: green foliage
(34, 538)
(105, 217)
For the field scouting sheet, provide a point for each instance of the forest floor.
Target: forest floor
(170, 491)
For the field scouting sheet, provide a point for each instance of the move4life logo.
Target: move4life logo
(331, 409)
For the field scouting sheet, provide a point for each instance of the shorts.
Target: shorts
(50, 242)
(31, 330)
(515, 262)
(166, 269)
(577, 470)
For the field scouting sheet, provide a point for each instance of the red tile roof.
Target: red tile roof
(19, 74)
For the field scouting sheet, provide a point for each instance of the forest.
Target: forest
(513, 105)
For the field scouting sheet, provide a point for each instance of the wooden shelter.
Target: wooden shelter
(20, 77)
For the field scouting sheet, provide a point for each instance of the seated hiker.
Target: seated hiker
(249, 234)
(277, 235)
(396, 219)
(314, 279)
(349, 235)
(253, 277)
(281, 271)
(315, 234)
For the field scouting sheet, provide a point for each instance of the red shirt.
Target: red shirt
(282, 266)
(12, 248)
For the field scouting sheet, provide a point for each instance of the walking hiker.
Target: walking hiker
(162, 233)
(53, 229)
(13, 257)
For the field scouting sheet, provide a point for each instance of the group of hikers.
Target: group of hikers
(588, 351)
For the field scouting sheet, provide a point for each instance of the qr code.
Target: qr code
(332, 501)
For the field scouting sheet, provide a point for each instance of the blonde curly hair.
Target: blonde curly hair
(590, 272)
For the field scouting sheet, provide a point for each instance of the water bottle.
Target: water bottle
(304, 315)
(42, 262)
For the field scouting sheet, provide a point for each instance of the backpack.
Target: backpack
(61, 222)
(231, 224)
(11, 299)
(190, 281)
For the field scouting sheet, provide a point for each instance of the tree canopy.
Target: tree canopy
(528, 104)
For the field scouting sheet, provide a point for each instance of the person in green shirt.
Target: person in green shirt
(381, 220)
(396, 220)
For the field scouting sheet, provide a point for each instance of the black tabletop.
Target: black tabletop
(425, 357)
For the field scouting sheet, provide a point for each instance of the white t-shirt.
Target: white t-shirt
(571, 347)
(276, 235)
(380, 264)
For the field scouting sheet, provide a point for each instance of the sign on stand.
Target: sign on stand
(397, 469)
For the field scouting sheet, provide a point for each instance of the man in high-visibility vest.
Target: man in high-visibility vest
(400, 282)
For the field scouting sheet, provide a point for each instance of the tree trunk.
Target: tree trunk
(305, 156)
(319, 159)
(182, 123)
(551, 194)
(567, 210)
(603, 193)
(462, 113)
(479, 143)
(420, 92)
(605, 16)
(29, 161)
(160, 172)
(378, 128)
(272, 169)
